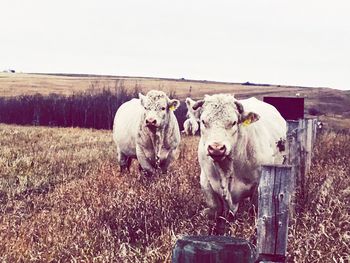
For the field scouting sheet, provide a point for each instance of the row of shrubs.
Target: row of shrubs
(94, 108)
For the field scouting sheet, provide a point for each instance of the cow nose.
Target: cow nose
(216, 149)
(151, 121)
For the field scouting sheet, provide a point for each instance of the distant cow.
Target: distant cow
(147, 129)
(191, 124)
(236, 138)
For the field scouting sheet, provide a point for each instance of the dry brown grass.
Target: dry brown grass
(321, 233)
(75, 205)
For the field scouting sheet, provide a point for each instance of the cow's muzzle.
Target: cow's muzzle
(152, 124)
(217, 151)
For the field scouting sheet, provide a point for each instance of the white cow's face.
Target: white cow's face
(157, 107)
(220, 119)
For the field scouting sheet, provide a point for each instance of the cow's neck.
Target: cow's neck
(243, 148)
(225, 172)
(156, 138)
(239, 161)
(243, 156)
(224, 167)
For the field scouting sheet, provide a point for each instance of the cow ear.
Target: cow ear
(189, 102)
(198, 104)
(142, 99)
(249, 118)
(239, 107)
(173, 104)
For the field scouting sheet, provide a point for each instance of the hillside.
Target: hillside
(332, 106)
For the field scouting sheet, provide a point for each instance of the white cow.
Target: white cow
(147, 129)
(191, 125)
(236, 138)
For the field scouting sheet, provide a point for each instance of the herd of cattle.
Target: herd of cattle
(236, 137)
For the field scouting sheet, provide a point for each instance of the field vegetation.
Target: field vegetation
(93, 108)
(56, 93)
(62, 198)
(68, 84)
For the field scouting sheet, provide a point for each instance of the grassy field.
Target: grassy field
(63, 199)
(19, 84)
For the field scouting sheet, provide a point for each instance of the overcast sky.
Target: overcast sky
(264, 41)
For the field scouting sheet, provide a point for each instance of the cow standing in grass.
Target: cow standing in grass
(236, 138)
(191, 124)
(147, 129)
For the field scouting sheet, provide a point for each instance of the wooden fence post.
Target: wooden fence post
(293, 156)
(310, 137)
(314, 130)
(293, 150)
(300, 139)
(275, 191)
(210, 249)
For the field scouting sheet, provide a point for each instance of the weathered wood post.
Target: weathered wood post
(300, 139)
(293, 158)
(210, 249)
(274, 192)
(293, 145)
(315, 128)
(309, 141)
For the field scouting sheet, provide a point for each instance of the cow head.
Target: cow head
(157, 107)
(221, 118)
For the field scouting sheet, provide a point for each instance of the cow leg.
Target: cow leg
(233, 210)
(146, 167)
(164, 163)
(128, 164)
(195, 127)
(123, 160)
(187, 127)
(144, 172)
(254, 198)
(164, 166)
(215, 205)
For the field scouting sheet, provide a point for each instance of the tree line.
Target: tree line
(89, 109)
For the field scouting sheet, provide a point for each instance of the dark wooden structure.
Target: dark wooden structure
(291, 108)
(210, 249)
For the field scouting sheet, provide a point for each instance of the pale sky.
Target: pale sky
(299, 42)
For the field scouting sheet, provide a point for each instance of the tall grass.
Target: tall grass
(75, 205)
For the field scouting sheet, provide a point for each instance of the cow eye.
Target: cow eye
(205, 123)
(163, 108)
(230, 124)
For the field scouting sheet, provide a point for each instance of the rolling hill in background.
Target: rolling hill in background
(331, 106)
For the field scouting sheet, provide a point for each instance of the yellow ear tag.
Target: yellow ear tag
(247, 122)
(172, 108)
